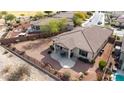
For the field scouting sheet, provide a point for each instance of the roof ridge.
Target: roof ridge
(87, 41)
(66, 33)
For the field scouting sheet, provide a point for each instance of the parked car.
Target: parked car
(21, 35)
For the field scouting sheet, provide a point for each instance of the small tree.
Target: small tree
(89, 13)
(45, 29)
(62, 24)
(79, 17)
(39, 15)
(102, 64)
(54, 26)
(118, 38)
(66, 76)
(77, 21)
(9, 17)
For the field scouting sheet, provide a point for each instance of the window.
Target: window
(83, 53)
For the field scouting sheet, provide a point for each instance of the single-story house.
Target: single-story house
(82, 42)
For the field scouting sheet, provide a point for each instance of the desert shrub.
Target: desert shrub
(118, 38)
(13, 49)
(81, 77)
(49, 52)
(109, 71)
(92, 61)
(102, 64)
(19, 73)
(89, 13)
(85, 73)
(66, 76)
(99, 77)
(22, 52)
(10, 55)
(51, 47)
(55, 72)
(5, 52)
(6, 69)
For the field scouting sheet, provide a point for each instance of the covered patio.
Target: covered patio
(64, 56)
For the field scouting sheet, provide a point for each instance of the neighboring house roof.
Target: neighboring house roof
(46, 21)
(61, 15)
(89, 39)
(117, 13)
(68, 15)
(120, 20)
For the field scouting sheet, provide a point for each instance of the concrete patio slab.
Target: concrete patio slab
(64, 62)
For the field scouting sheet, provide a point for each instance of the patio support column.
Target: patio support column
(69, 52)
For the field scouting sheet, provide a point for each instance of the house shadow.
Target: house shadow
(47, 59)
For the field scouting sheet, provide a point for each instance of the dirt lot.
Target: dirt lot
(13, 61)
(38, 49)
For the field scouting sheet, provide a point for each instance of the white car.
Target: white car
(21, 35)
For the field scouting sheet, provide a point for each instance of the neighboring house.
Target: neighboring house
(120, 21)
(82, 42)
(61, 15)
(17, 29)
(122, 55)
(117, 13)
(33, 29)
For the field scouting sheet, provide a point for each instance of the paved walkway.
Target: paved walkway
(92, 71)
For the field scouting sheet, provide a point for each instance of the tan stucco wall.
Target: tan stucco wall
(76, 53)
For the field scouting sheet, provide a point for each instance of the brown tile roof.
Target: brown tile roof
(89, 39)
